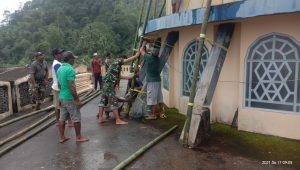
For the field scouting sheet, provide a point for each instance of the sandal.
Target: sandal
(163, 116)
(151, 117)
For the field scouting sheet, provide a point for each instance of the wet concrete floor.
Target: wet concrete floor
(110, 144)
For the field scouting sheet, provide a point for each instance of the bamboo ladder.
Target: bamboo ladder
(137, 61)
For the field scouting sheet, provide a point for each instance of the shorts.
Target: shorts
(154, 93)
(56, 102)
(69, 107)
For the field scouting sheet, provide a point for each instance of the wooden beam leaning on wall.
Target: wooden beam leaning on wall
(200, 115)
(185, 132)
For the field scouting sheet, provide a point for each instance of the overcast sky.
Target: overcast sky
(10, 5)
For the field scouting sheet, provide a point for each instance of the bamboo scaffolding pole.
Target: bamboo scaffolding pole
(162, 8)
(196, 74)
(25, 116)
(155, 6)
(22, 140)
(89, 93)
(137, 61)
(25, 130)
(142, 150)
(137, 30)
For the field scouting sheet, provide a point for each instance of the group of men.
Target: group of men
(65, 98)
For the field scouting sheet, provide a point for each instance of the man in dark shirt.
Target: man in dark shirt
(38, 80)
(153, 80)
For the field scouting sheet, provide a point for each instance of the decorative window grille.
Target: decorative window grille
(188, 66)
(273, 73)
(24, 94)
(4, 103)
(166, 76)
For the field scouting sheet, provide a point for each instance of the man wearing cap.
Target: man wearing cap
(57, 54)
(38, 80)
(70, 102)
(96, 69)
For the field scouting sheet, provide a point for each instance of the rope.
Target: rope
(138, 91)
(213, 43)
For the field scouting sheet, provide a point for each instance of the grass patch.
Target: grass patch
(173, 118)
(257, 146)
(240, 143)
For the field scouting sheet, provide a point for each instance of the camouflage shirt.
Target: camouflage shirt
(112, 77)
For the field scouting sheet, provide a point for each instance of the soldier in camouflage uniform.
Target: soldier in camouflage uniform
(111, 79)
(38, 80)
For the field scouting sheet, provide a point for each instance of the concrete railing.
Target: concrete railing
(14, 96)
(21, 97)
(5, 100)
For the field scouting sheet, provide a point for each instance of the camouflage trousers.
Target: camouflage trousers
(37, 94)
(109, 98)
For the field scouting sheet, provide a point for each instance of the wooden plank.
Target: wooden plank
(209, 79)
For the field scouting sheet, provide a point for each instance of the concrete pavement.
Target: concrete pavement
(110, 144)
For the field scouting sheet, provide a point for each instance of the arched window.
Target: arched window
(273, 73)
(188, 65)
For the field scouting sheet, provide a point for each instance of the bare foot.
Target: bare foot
(82, 139)
(151, 117)
(62, 140)
(100, 120)
(121, 122)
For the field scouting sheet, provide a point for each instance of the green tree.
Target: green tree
(81, 26)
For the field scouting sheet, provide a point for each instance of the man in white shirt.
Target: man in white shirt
(57, 54)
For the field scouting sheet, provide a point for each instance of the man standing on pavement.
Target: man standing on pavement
(70, 102)
(38, 80)
(111, 79)
(96, 68)
(154, 93)
(57, 54)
